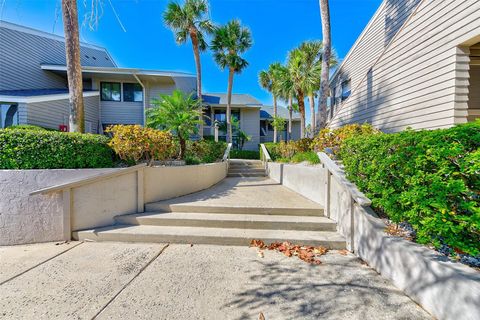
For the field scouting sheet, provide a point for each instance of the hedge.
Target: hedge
(204, 151)
(430, 179)
(245, 154)
(30, 149)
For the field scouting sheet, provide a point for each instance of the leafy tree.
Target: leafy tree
(74, 68)
(327, 52)
(278, 124)
(178, 113)
(229, 42)
(270, 80)
(191, 21)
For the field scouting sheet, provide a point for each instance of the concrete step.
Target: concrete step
(247, 167)
(163, 206)
(217, 236)
(246, 170)
(237, 221)
(245, 175)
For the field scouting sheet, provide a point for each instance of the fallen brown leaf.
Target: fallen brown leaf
(343, 252)
(261, 316)
(308, 254)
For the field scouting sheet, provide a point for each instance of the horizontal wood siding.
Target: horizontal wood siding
(121, 112)
(51, 114)
(22, 53)
(155, 89)
(421, 80)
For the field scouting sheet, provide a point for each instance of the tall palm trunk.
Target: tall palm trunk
(311, 99)
(275, 133)
(301, 108)
(198, 66)
(229, 104)
(290, 111)
(74, 68)
(327, 52)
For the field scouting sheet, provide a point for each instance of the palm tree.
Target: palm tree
(74, 67)
(313, 51)
(286, 92)
(296, 69)
(228, 43)
(270, 81)
(327, 52)
(191, 21)
(178, 113)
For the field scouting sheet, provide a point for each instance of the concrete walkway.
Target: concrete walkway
(156, 281)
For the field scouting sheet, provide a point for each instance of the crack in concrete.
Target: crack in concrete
(39, 264)
(131, 280)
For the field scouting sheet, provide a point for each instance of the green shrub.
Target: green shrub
(38, 149)
(28, 127)
(334, 138)
(244, 154)
(308, 156)
(204, 151)
(430, 179)
(272, 149)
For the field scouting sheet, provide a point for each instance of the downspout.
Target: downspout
(144, 98)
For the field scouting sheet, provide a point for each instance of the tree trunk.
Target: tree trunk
(290, 111)
(229, 105)
(74, 68)
(312, 112)
(327, 52)
(183, 147)
(198, 66)
(275, 132)
(301, 108)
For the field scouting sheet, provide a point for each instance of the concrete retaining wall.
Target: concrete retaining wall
(307, 180)
(163, 183)
(447, 290)
(28, 219)
(42, 218)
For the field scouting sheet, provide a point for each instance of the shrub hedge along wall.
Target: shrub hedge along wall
(37, 149)
(430, 179)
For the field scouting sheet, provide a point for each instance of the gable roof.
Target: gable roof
(266, 112)
(237, 99)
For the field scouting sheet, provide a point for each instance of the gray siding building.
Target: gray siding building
(416, 64)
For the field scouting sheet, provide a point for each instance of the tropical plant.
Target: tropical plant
(312, 59)
(270, 80)
(296, 71)
(191, 21)
(242, 135)
(177, 113)
(278, 124)
(286, 92)
(229, 42)
(134, 143)
(74, 68)
(327, 52)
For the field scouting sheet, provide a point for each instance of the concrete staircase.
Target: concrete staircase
(246, 168)
(221, 216)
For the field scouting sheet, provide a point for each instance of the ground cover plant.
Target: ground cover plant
(23, 148)
(429, 179)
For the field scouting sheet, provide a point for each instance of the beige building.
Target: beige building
(416, 64)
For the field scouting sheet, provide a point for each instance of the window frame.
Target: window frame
(134, 84)
(345, 94)
(103, 83)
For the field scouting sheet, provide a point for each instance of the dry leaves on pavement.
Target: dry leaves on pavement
(308, 254)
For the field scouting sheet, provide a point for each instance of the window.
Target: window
(8, 115)
(346, 89)
(132, 92)
(110, 91)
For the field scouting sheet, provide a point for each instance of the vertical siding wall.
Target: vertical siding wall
(421, 80)
(22, 53)
(250, 123)
(51, 114)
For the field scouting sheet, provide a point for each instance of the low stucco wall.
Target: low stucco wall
(28, 219)
(163, 183)
(447, 290)
(307, 180)
(40, 218)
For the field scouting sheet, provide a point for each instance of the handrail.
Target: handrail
(87, 180)
(226, 155)
(338, 173)
(265, 153)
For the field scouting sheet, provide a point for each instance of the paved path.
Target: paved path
(156, 281)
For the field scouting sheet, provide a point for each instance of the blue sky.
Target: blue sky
(277, 26)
